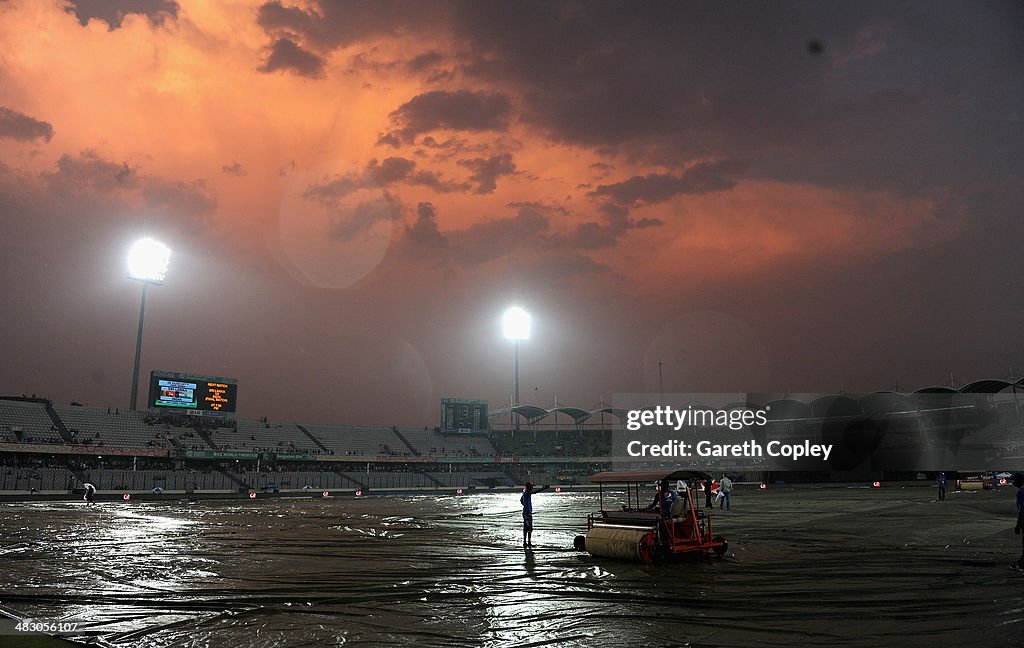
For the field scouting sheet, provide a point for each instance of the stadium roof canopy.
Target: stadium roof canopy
(992, 386)
(741, 404)
(884, 401)
(937, 389)
(533, 414)
(787, 408)
(614, 411)
(838, 404)
(835, 405)
(578, 415)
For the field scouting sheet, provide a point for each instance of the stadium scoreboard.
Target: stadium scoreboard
(192, 394)
(463, 415)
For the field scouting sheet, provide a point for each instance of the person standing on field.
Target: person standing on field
(526, 500)
(725, 488)
(1018, 481)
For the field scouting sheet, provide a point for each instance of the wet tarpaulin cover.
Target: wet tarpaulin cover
(810, 567)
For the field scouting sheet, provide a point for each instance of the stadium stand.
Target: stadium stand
(397, 479)
(260, 436)
(94, 426)
(350, 440)
(171, 480)
(474, 479)
(105, 446)
(26, 422)
(431, 442)
(586, 443)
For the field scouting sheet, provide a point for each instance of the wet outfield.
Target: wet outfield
(807, 567)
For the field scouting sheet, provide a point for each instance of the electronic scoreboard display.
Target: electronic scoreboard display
(192, 394)
(463, 415)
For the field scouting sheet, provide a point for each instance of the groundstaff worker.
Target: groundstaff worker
(527, 502)
(90, 493)
(725, 488)
(664, 498)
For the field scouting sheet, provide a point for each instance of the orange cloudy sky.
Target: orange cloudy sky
(792, 196)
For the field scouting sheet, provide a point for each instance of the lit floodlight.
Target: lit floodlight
(147, 260)
(516, 324)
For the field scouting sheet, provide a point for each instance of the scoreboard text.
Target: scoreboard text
(192, 394)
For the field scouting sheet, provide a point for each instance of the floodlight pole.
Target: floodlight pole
(516, 343)
(138, 349)
(661, 386)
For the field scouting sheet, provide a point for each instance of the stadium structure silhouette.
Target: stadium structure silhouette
(47, 449)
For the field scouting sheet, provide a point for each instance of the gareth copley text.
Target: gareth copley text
(747, 449)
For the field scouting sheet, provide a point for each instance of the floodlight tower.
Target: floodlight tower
(516, 327)
(147, 262)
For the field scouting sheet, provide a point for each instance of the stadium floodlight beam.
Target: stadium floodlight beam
(147, 262)
(515, 325)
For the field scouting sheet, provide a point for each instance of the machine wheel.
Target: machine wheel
(648, 549)
(580, 543)
(721, 548)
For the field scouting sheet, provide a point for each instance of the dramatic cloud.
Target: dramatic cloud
(330, 25)
(423, 231)
(464, 110)
(113, 12)
(350, 222)
(481, 242)
(489, 240)
(424, 62)
(90, 177)
(285, 54)
(410, 166)
(486, 171)
(594, 236)
(701, 178)
(20, 126)
(88, 172)
(390, 171)
(275, 17)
